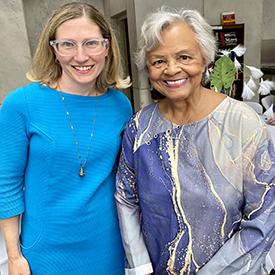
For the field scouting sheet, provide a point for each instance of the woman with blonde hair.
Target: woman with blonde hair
(60, 137)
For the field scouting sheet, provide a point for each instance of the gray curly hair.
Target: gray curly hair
(165, 17)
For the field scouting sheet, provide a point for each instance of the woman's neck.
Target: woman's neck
(89, 89)
(183, 112)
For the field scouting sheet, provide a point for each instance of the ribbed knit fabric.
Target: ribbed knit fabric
(69, 223)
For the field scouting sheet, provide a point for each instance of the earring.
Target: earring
(151, 88)
(56, 61)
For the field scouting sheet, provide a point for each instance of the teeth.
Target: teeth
(170, 82)
(83, 68)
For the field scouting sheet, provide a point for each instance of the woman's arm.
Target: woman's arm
(134, 246)
(14, 144)
(129, 213)
(18, 265)
(245, 251)
(272, 121)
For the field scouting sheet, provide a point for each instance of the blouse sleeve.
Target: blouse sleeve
(245, 251)
(13, 154)
(270, 259)
(138, 260)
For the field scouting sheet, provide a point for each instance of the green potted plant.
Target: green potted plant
(222, 76)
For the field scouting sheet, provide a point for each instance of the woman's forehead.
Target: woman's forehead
(178, 38)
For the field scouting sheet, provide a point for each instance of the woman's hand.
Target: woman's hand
(18, 265)
(271, 122)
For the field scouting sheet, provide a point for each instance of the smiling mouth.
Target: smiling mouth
(175, 82)
(86, 68)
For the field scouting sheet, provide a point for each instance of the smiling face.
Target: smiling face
(80, 68)
(176, 66)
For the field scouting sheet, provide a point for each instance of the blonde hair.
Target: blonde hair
(46, 70)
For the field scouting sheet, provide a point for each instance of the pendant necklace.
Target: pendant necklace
(176, 136)
(81, 171)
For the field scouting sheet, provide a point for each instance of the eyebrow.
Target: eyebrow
(184, 51)
(177, 53)
(156, 56)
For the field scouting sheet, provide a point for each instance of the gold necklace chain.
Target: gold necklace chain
(168, 109)
(81, 171)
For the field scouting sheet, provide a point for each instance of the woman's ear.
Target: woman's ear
(204, 66)
(108, 46)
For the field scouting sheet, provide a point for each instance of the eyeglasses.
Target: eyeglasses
(68, 47)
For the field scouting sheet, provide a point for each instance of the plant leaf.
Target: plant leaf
(222, 76)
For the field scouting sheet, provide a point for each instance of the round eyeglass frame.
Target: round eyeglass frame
(54, 42)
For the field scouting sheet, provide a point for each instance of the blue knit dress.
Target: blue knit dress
(69, 223)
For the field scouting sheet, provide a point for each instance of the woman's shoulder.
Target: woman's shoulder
(239, 108)
(18, 95)
(236, 116)
(26, 90)
(121, 100)
(144, 116)
(15, 105)
(147, 110)
(28, 97)
(116, 93)
(144, 113)
(119, 96)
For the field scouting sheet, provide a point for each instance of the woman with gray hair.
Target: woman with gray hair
(195, 184)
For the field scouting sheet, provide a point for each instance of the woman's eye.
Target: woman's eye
(66, 44)
(92, 43)
(158, 63)
(184, 57)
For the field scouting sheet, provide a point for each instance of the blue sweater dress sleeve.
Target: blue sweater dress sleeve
(13, 154)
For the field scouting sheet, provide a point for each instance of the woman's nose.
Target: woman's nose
(172, 68)
(81, 55)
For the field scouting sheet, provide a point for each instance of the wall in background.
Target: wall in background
(14, 47)
(21, 22)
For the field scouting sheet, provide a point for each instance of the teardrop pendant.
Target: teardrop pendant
(81, 173)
